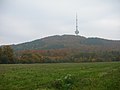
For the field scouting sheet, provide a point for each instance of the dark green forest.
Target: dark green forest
(69, 42)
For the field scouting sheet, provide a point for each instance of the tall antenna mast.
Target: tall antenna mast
(76, 32)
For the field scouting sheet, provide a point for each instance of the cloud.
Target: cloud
(15, 28)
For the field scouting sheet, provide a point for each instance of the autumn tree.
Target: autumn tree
(8, 55)
(3, 58)
(29, 57)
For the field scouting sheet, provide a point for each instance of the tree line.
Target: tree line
(8, 56)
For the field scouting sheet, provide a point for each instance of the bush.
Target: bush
(64, 83)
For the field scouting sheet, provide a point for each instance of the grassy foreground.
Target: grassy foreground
(63, 76)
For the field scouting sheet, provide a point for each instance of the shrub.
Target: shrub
(64, 83)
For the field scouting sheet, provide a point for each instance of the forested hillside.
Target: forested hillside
(65, 48)
(68, 41)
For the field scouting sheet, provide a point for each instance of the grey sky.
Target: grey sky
(26, 20)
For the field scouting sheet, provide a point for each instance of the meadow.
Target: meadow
(60, 76)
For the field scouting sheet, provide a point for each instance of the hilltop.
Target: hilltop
(69, 41)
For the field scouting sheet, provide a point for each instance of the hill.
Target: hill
(62, 49)
(69, 41)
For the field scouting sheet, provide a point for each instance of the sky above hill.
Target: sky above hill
(26, 20)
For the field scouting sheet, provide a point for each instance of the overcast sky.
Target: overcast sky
(27, 20)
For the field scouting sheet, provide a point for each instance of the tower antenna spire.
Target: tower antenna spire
(76, 32)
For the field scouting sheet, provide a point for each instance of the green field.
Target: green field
(62, 76)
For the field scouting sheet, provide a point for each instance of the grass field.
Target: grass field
(62, 76)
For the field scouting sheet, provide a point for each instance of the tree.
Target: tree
(0, 54)
(8, 55)
(29, 57)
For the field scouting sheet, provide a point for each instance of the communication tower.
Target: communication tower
(76, 32)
